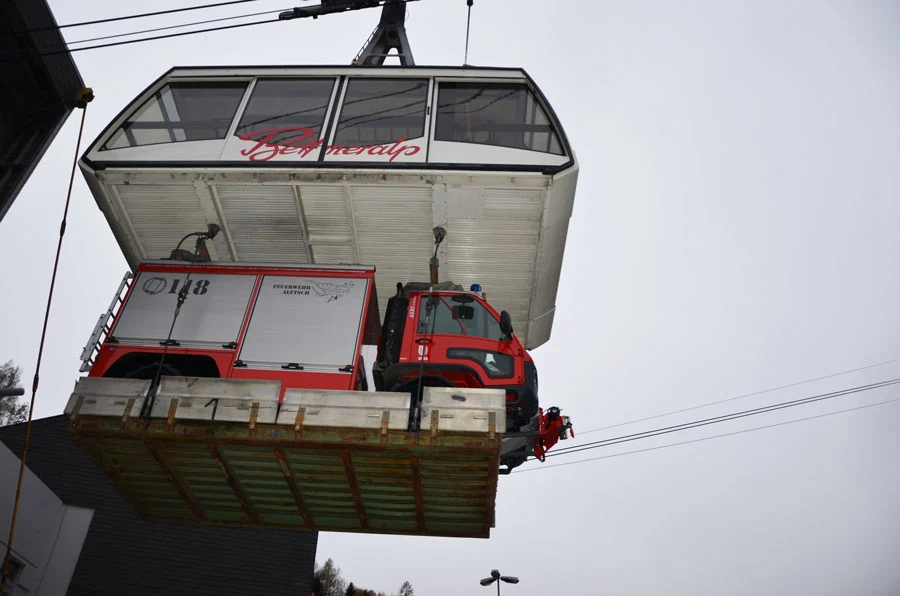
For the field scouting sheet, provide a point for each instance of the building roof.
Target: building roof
(123, 554)
(41, 85)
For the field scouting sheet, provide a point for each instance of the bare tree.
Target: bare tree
(12, 410)
(406, 589)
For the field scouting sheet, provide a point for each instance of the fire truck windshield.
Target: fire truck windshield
(446, 317)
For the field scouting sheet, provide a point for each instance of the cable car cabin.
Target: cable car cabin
(353, 164)
(233, 393)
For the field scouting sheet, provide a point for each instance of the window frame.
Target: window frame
(537, 97)
(248, 81)
(336, 85)
(338, 109)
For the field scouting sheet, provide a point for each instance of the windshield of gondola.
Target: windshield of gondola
(506, 115)
(381, 111)
(295, 106)
(178, 112)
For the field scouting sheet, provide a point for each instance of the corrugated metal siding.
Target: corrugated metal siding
(506, 233)
(393, 225)
(162, 215)
(498, 249)
(262, 218)
(124, 554)
(328, 223)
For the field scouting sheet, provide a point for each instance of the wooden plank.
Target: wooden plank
(354, 489)
(292, 485)
(174, 480)
(417, 490)
(233, 484)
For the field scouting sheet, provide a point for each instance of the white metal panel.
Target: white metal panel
(403, 151)
(212, 313)
(496, 246)
(453, 72)
(311, 321)
(352, 409)
(451, 152)
(260, 218)
(108, 397)
(228, 400)
(464, 410)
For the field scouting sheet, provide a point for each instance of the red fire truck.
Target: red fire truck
(305, 326)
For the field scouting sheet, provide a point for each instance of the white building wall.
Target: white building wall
(49, 534)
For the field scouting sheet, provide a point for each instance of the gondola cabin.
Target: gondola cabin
(349, 165)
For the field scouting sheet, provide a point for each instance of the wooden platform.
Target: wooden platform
(326, 478)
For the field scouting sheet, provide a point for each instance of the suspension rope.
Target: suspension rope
(85, 96)
(147, 408)
(469, 3)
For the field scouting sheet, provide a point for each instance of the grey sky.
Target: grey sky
(735, 229)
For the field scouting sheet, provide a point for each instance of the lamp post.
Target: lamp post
(496, 577)
(13, 392)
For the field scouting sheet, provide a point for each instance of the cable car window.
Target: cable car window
(297, 105)
(181, 112)
(507, 115)
(382, 111)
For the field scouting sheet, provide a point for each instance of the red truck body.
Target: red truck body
(305, 326)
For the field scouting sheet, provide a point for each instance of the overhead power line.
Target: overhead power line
(743, 396)
(737, 432)
(148, 14)
(718, 419)
(65, 49)
(153, 30)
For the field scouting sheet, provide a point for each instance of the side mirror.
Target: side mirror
(506, 325)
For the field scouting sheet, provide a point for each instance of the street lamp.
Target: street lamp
(495, 575)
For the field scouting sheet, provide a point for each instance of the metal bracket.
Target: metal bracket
(390, 34)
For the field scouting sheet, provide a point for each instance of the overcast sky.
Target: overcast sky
(735, 229)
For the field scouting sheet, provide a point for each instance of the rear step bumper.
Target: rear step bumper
(229, 452)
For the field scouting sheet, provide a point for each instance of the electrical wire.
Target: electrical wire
(144, 15)
(152, 38)
(743, 396)
(85, 97)
(718, 419)
(54, 50)
(155, 29)
(737, 432)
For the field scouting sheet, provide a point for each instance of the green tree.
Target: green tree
(12, 410)
(330, 581)
(406, 589)
(351, 590)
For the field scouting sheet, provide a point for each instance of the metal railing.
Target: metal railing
(103, 326)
